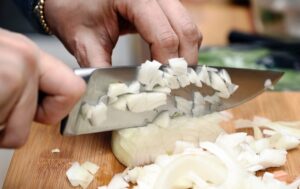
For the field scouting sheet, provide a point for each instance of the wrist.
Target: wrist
(39, 10)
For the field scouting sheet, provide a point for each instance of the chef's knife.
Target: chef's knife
(251, 83)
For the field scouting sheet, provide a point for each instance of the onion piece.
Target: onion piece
(150, 75)
(121, 103)
(79, 176)
(171, 81)
(225, 76)
(99, 114)
(145, 101)
(279, 141)
(134, 87)
(206, 166)
(115, 90)
(160, 89)
(90, 167)
(184, 106)
(117, 182)
(218, 84)
(268, 84)
(204, 75)
(55, 150)
(178, 66)
(162, 120)
(86, 111)
(183, 80)
(272, 158)
(193, 77)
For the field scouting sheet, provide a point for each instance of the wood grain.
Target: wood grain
(34, 166)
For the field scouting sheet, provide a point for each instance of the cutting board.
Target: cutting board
(34, 166)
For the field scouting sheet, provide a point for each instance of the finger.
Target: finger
(153, 26)
(63, 87)
(92, 49)
(11, 82)
(17, 125)
(20, 119)
(187, 31)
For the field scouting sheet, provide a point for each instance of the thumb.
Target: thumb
(93, 49)
(62, 87)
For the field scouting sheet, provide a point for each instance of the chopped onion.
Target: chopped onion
(178, 66)
(150, 75)
(117, 182)
(272, 158)
(99, 114)
(268, 84)
(121, 103)
(193, 77)
(115, 90)
(183, 80)
(134, 87)
(55, 150)
(162, 120)
(139, 146)
(218, 84)
(171, 81)
(90, 167)
(204, 75)
(86, 111)
(145, 101)
(160, 89)
(184, 106)
(78, 176)
(225, 76)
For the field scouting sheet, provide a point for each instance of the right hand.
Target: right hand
(25, 70)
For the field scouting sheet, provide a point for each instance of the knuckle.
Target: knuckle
(191, 32)
(168, 40)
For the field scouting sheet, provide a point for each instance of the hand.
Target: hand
(24, 70)
(90, 28)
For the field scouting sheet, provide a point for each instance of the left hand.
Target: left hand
(90, 28)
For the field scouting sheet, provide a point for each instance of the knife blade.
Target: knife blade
(251, 83)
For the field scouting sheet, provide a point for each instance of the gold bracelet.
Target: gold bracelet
(39, 11)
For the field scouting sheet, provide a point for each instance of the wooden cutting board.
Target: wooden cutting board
(34, 166)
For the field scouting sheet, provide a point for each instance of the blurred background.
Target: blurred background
(261, 34)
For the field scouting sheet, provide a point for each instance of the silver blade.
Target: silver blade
(251, 84)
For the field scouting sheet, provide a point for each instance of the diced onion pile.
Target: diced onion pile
(230, 162)
(154, 83)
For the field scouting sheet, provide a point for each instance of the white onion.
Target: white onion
(268, 84)
(134, 87)
(183, 80)
(150, 75)
(160, 89)
(193, 77)
(55, 150)
(225, 76)
(178, 66)
(79, 176)
(138, 146)
(115, 90)
(90, 167)
(171, 81)
(145, 101)
(218, 84)
(117, 182)
(99, 114)
(184, 106)
(204, 75)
